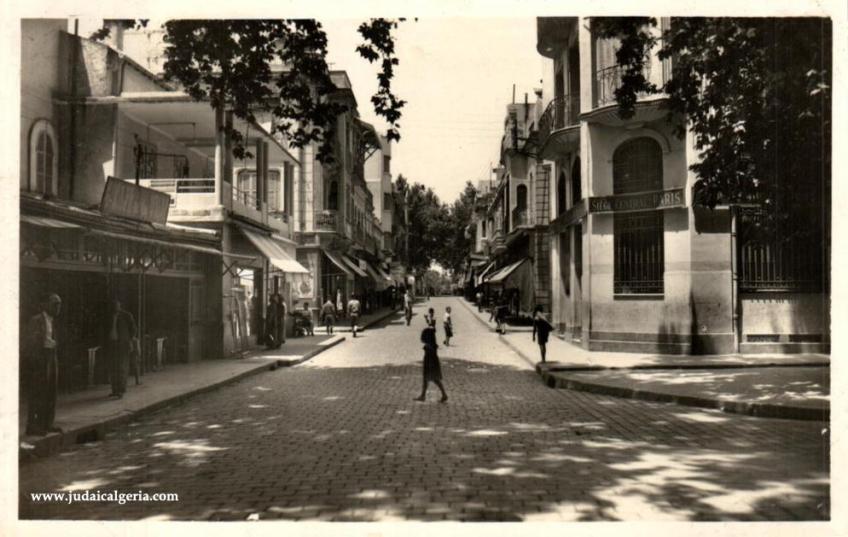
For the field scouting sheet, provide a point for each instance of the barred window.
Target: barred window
(779, 260)
(637, 166)
(639, 262)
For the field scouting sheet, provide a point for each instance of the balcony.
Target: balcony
(649, 107)
(520, 218)
(559, 125)
(328, 221)
(498, 244)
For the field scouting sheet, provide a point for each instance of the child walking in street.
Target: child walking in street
(542, 328)
(432, 368)
(448, 326)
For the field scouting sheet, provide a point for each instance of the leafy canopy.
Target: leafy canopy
(755, 94)
(276, 65)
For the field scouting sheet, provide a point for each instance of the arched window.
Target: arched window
(576, 191)
(43, 159)
(638, 237)
(521, 197)
(333, 196)
(561, 193)
(637, 166)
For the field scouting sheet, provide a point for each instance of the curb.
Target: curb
(760, 410)
(55, 442)
(510, 329)
(558, 379)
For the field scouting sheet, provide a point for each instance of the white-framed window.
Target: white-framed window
(43, 159)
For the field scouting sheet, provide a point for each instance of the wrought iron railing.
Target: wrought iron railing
(608, 79)
(327, 220)
(563, 111)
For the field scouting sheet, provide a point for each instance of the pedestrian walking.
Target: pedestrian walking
(353, 310)
(328, 315)
(276, 321)
(479, 301)
(121, 333)
(407, 306)
(42, 368)
(448, 324)
(432, 368)
(541, 328)
(339, 303)
(500, 318)
(430, 318)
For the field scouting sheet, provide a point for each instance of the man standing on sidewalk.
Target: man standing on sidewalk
(121, 332)
(353, 309)
(42, 368)
(407, 306)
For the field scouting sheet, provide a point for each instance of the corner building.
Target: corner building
(635, 266)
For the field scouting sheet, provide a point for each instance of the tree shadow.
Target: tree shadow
(350, 445)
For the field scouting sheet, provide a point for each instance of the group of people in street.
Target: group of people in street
(330, 312)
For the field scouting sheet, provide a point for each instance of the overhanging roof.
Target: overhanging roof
(355, 266)
(273, 250)
(338, 262)
(504, 273)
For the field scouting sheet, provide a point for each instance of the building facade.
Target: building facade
(635, 265)
(88, 235)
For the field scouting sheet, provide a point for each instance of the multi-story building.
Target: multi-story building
(339, 238)
(517, 218)
(636, 267)
(90, 231)
(378, 176)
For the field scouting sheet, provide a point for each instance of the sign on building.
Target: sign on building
(645, 201)
(127, 200)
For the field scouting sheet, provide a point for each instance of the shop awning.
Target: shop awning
(355, 266)
(484, 272)
(273, 250)
(157, 242)
(382, 281)
(504, 273)
(385, 274)
(338, 262)
(43, 221)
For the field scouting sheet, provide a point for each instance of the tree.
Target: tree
(230, 64)
(455, 242)
(425, 225)
(755, 94)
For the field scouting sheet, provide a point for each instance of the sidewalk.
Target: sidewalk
(779, 386)
(85, 416)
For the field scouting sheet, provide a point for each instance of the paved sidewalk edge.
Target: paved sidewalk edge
(56, 442)
(511, 329)
(558, 379)
(761, 410)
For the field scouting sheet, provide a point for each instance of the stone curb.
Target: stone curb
(761, 410)
(559, 379)
(56, 442)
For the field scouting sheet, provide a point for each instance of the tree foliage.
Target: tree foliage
(231, 63)
(755, 95)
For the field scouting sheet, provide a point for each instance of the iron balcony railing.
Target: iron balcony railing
(563, 111)
(327, 220)
(608, 79)
(520, 217)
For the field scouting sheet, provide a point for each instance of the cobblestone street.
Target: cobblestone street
(340, 438)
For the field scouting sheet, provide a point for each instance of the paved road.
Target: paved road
(340, 438)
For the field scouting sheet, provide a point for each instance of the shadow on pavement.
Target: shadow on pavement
(350, 444)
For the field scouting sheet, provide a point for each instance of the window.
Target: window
(565, 261)
(639, 263)
(44, 159)
(779, 260)
(561, 193)
(637, 166)
(145, 159)
(387, 164)
(333, 196)
(274, 204)
(576, 192)
(288, 189)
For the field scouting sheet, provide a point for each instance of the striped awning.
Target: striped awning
(504, 273)
(355, 266)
